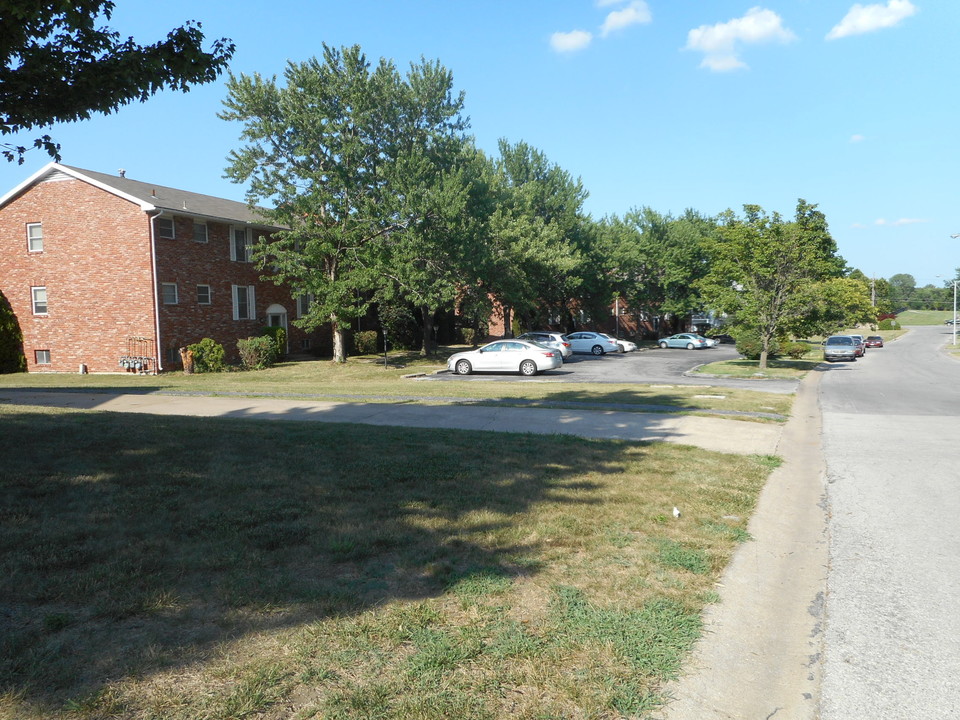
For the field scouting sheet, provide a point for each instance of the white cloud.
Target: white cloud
(720, 43)
(570, 41)
(636, 13)
(900, 222)
(867, 18)
(857, 138)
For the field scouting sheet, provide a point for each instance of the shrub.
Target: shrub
(889, 324)
(278, 336)
(795, 350)
(749, 346)
(365, 342)
(469, 335)
(257, 353)
(208, 356)
(11, 340)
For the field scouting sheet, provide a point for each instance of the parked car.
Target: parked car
(711, 342)
(873, 341)
(861, 345)
(690, 341)
(840, 347)
(592, 342)
(625, 345)
(951, 321)
(520, 356)
(550, 339)
(723, 338)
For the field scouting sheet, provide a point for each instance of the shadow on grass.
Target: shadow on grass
(132, 543)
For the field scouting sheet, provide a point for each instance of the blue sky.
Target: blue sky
(671, 104)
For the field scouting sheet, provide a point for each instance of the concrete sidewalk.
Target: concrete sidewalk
(723, 435)
(759, 656)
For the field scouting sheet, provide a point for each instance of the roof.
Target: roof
(149, 196)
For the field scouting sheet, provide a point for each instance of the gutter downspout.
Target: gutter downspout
(156, 288)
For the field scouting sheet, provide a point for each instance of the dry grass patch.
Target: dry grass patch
(212, 568)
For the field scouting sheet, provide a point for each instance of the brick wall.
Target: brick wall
(188, 263)
(95, 265)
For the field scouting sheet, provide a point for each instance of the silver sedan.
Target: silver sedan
(526, 358)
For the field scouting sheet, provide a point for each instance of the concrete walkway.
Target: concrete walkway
(720, 434)
(760, 654)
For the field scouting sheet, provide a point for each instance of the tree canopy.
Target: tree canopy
(767, 273)
(353, 158)
(59, 65)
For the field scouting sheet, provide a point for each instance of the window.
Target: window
(200, 232)
(244, 304)
(35, 237)
(168, 291)
(303, 304)
(41, 357)
(165, 228)
(240, 248)
(39, 300)
(203, 294)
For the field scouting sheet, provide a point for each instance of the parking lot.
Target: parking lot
(645, 366)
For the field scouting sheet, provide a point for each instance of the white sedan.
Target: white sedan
(526, 358)
(592, 342)
(625, 345)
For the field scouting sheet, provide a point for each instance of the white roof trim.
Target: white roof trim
(49, 167)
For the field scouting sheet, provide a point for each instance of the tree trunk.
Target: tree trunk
(764, 352)
(339, 348)
(426, 348)
(507, 324)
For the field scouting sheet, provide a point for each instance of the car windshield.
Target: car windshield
(840, 340)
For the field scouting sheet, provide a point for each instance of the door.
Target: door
(277, 317)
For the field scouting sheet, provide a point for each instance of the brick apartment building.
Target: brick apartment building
(101, 267)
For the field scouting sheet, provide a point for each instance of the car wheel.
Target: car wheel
(596, 350)
(663, 346)
(528, 368)
(463, 367)
(689, 346)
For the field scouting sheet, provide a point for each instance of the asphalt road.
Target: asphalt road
(890, 427)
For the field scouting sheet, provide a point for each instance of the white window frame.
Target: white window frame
(247, 245)
(37, 303)
(209, 292)
(248, 294)
(34, 240)
(197, 232)
(164, 288)
(161, 225)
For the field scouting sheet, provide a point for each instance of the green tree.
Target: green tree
(764, 271)
(60, 66)
(329, 150)
(901, 290)
(654, 261)
(537, 235)
(439, 185)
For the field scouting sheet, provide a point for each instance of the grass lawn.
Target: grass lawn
(924, 317)
(183, 568)
(365, 379)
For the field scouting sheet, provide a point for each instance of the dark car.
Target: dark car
(723, 338)
(874, 341)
